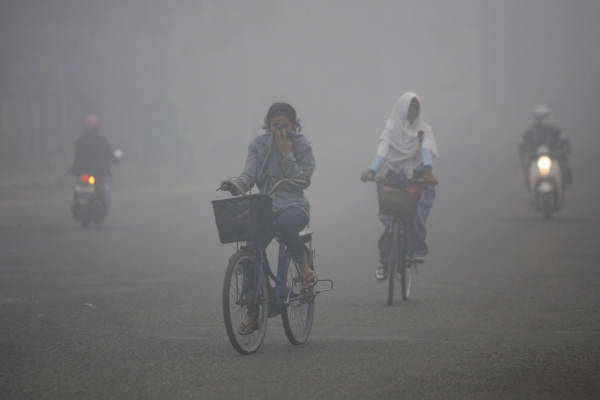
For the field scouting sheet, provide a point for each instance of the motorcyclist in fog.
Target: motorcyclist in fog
(542, 133)
(94, 156)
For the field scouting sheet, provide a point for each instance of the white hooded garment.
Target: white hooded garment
(400, 143)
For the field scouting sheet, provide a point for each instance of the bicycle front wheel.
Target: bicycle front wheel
(393, 262)
(297, 316)
(404, 267)
(245, 296)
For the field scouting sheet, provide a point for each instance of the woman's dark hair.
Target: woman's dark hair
(287, 111)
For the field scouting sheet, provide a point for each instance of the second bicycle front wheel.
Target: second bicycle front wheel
(404, 268)
(244, 297)
(297, 316)
(393, 261)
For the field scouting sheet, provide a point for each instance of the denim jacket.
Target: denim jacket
(265, 166)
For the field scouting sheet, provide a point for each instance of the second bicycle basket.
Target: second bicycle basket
(244, 218)
(399, 201)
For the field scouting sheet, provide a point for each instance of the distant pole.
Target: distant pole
(63, 137)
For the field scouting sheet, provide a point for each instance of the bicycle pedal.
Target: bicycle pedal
(324, 290)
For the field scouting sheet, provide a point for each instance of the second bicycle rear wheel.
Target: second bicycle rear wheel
(405, 280)
(297, 316)
(244, 297)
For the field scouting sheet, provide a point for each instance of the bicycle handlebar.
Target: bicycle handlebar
(412, 181)
(296, 182)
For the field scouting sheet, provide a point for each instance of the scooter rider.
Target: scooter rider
(93, 155)
(542, 133)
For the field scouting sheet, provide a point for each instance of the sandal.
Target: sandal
(243, 328)
(307, 283)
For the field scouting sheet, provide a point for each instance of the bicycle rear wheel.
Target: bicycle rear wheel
(405, 280)
(244, 296)
(393, 262)
(297, 316)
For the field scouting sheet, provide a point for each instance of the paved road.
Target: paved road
(507, 306)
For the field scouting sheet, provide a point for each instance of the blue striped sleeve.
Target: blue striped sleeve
(378, 162)
(426, 155)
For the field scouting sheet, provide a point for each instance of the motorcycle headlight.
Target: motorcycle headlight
(544, 163)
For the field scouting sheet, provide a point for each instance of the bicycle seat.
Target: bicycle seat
(306, 236)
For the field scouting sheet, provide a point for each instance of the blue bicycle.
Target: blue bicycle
(248, 294)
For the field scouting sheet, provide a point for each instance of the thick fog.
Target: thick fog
(479, 66)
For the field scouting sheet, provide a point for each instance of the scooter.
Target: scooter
(90, 203)
(546, 193)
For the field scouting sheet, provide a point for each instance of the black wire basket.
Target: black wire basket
(244, 217)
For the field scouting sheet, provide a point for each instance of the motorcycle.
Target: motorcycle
(90, 203)
(544, 180)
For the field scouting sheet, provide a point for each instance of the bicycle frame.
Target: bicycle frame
(284, 260)
(399, 223)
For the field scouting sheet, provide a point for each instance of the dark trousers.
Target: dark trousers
(287, 226)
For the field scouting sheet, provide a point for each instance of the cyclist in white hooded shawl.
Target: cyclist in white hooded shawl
(406, 149)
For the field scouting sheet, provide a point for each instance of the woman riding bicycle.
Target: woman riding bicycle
(282, 152)
(406, 150)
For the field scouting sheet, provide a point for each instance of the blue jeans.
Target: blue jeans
(416, 229)
(287, 226)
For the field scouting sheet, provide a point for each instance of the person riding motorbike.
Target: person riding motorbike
(407, 149)
(94, 156)
(544, 134)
